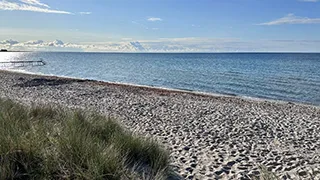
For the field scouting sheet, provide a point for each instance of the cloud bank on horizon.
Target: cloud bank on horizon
(168, 45)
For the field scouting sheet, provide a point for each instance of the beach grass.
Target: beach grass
(265, 174)
(55, 143)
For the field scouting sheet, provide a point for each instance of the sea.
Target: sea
(293, 77)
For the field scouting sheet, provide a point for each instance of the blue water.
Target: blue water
(278, 76)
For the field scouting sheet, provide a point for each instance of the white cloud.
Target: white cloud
(85, 13)
(40, 43)
(154, 19)
(56, 43)
(35, 2)
(9, 42)
(13, 6)
(137, 46)
(34, 42)
(292, 19)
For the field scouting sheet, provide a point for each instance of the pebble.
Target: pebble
(231, 163)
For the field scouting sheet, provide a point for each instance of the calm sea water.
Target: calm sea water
(289, 77)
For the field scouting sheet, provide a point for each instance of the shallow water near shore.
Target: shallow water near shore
(279, 76)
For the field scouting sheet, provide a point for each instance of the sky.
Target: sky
(161, 25)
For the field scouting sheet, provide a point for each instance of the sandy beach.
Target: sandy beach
(208, 136)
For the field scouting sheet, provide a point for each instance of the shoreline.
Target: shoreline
(168, 90)
(208, 136)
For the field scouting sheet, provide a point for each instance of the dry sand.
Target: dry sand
(208, 136)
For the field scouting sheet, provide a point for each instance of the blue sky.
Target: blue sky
(161, 25)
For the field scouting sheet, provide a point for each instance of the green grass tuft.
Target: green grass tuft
(265, 174)
(53, 143)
